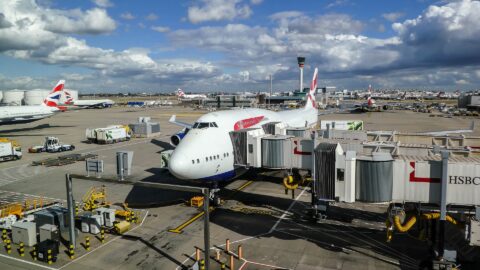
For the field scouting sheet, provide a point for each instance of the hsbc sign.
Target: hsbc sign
(464, 180)
(419, 181)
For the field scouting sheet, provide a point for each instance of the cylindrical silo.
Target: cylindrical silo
(35, 97)
(13, 97)
(374, 180)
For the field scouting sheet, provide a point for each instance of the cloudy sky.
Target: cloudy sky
(231, 45)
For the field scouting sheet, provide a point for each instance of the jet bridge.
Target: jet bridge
(254, 149)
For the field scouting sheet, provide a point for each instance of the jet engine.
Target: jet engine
(176, 138)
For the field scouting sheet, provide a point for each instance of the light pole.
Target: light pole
(271, 90)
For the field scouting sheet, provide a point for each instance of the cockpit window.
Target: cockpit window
(204, 124)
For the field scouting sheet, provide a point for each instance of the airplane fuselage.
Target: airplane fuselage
(206, 151)
(24, 114)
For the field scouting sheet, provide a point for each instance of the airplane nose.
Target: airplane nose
(178, 166)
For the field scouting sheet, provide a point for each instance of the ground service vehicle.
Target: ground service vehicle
(51, 145)
(9, 150)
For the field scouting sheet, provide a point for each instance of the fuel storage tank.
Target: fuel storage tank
(13, 97)
(35, 97)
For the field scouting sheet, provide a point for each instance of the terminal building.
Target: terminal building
(469, 101)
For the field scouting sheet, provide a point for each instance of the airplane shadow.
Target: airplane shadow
(27, 129)
(330, 235)
(142, 197)
(162, 144)
(346, 237)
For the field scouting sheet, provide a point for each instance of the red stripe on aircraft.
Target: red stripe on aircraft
(246, 123)
(59, 87)
(413, 178)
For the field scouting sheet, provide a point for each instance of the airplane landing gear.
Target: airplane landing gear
(214, 198)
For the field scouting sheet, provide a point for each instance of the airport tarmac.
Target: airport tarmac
(274, 230)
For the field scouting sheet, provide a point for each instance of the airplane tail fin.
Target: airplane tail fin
(53, 98)
(180, 92)
(311, 103)
(68, 97)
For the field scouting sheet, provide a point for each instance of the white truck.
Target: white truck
(110, 134)
(51, 145)
(9, 150)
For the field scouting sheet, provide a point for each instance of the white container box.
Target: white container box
(25, 232)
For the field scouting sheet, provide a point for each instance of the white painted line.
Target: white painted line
(274, 227)
(243, 265)
(267, 265)
(109, 242)
(231, 242)
(27, 262)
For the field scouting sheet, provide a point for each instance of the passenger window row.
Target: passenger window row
(210, 158)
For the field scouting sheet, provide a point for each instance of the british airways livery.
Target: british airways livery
(205, 152)
(24, 114)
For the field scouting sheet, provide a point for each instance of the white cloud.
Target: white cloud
(93, 21)
(337, 3)
(3, 22)
(256, 2)
(33, 37)
(445, 35)
(151, 17)
(437, 48)
(218, 10)
(393, 16)
(103, 3)
(161, 29)
(127, 16)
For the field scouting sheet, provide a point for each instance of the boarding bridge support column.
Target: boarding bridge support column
(443, 202)
(314, 177)
(350, 169)
(71, 213)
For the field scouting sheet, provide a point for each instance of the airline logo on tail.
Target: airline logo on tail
(53, 98)
(180, 93)
(370, 101)
(311, 94)
(68, 97)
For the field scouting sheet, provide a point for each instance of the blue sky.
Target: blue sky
(231, 45)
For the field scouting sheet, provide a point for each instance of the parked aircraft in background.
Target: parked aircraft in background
(24, 114)
(88, 103)
(371, 105)
(182, 95)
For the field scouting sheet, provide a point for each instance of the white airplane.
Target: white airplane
(24, 114)
(182, 95)
(88, 103)
(204, 150)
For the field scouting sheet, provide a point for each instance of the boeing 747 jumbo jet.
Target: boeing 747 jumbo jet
(209, 137)
(24, 114)
(89, 103)
(182, 95)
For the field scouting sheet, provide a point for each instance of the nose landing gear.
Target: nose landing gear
(214, 198)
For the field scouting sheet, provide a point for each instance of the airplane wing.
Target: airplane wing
(446, 132)
(178, 123)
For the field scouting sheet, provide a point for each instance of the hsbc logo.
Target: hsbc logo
(463, 180)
